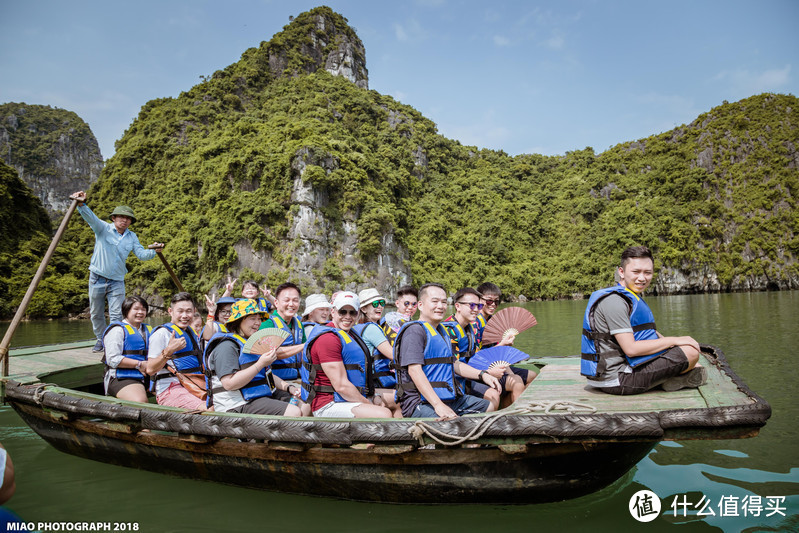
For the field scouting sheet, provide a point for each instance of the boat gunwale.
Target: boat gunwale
(527, 427)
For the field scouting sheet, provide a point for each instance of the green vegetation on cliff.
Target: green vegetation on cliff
(212, 172)
(25, 235)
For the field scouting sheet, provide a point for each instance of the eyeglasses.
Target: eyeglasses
(378, 303)
(345, 312)
(410, 304)
(226, 312)
(489, 301)
(472, 305)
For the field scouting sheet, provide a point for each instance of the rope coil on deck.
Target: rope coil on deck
(421, 429)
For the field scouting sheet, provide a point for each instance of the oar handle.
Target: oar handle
(171, 272)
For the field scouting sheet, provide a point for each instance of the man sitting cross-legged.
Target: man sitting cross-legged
(426, 383)
(460, 327)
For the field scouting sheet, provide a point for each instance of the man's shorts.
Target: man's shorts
(462, 405)
(649, 375)
(262, 406)
(522, 373)
(337, 410)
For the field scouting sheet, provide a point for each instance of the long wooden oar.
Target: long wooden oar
(23, 306)
(171, 272)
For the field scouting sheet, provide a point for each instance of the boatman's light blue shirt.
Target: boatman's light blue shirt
(111, 249)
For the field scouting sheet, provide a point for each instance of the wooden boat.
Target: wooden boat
(560, 440)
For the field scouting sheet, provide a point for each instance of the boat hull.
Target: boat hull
(561, 439)
(533, 473)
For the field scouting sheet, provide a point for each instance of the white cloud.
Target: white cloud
(750, 83)
(499, 40)
(400, 33)
(556, 40)
(409, 31)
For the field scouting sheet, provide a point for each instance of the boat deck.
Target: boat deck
(70, 365)
(560, 379)
(74, 365)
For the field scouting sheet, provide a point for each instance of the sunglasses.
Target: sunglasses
(378, 303)
(489, 301)
(410, 304)
(345, 312)
(472, 305)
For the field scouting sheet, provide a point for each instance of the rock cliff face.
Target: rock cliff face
(316, 239)
(326, 43)
(52, 150)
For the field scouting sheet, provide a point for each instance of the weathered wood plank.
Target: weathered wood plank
(560, 379)
(73, 365)
(27, 350)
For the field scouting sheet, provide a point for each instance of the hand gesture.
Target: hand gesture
(229, 286)
(80, 196)
(174, 345)
(268, 295)
(210, 304)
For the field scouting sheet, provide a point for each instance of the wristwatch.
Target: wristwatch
(480, 375)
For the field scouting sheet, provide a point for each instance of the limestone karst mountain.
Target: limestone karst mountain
(53, 150)
(285, 166)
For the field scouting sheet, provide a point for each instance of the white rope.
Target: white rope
(421, 429)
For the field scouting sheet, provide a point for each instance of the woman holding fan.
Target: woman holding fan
(241, 381)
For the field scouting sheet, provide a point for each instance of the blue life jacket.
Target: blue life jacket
(592, 362)
(479, 327)
(264, 304)
(134, 346)
(464, 343)
(187, 360)
(262, 384)
(391, 334)
(355, 356)
(382, 373)
(463, 339)
(438, 362)
(288, 368)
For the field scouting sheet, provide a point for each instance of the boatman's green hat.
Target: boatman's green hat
(124, 211)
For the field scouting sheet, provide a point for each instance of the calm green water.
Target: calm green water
(757, 332)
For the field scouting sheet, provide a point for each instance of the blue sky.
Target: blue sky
(519, 76)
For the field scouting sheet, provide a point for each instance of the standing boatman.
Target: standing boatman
(112, 245)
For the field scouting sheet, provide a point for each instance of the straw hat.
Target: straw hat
(368, 296)
(314, 302)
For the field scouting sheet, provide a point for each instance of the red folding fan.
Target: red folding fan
(508, 321)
